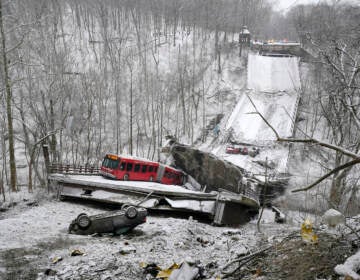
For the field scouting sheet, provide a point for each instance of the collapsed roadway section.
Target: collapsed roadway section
(222, 207)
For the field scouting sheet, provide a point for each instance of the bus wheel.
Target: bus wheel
(126, 177)
(151, 178)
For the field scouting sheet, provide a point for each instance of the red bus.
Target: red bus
(136, 169)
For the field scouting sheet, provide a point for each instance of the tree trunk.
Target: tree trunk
(45, 149)
(7, 83)
(53, 142)
(217, 49)
(31, 162)
(131, 111)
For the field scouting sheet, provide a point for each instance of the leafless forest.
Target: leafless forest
(87, 77)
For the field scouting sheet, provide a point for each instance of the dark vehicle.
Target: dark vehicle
(117, 222)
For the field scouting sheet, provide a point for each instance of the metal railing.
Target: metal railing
(73, 169)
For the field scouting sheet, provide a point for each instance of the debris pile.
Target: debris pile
(313, 261)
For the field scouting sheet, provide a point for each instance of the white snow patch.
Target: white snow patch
(349, 267)
(273, 74)
(277, 108)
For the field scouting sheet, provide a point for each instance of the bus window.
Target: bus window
(143, 169)
(122, 165)
(105, 162)
(110, 163)
(129, 166)
(155, 168)
(137, 168)
(151, 168)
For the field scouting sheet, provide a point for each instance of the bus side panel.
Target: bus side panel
(140, 175)
(154, 173)
(170, 177)
(121, 170)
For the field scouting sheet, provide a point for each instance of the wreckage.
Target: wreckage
(229, 195)
(221, 207)
(116, 222)
(213, 173)
(217, 174)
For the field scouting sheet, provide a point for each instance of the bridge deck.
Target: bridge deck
(157, 196)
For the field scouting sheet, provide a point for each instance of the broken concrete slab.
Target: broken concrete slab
(209, 170)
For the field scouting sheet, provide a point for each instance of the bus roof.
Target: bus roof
(130, 157)
(110, 155)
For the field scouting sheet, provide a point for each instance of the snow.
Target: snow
(201, 205)
(42, 231)
(274, 154)
(273, 74)
(350, 266)
(130, 185)
(277, 108)
(333, 217)
(273, 86)
(275, 82)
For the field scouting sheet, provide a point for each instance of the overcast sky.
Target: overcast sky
(286, 5)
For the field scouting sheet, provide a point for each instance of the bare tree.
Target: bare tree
(8, 90)
(329, 32)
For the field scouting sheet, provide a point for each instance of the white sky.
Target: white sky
(286, 5)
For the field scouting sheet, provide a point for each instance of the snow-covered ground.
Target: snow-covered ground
(34, 242)
(40, 234)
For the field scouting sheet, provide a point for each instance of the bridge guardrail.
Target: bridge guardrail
(74, 169)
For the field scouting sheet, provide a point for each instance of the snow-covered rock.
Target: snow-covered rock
(333, 218)
(349, 267)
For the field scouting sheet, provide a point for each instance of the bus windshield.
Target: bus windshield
(110, 163)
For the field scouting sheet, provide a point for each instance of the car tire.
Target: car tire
(83, 221)
(126, 177)
(131, 212)
(81, 214)
(124, 206)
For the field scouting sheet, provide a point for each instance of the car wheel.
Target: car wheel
(126, 177)
(83, 221)
(131, 212)
(124, 206)
(151, 178)
(81, 214)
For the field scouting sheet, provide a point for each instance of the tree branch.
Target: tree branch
(356, 157)
(309, 141)
(333, 171)
(265, 120)
(321, 143)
